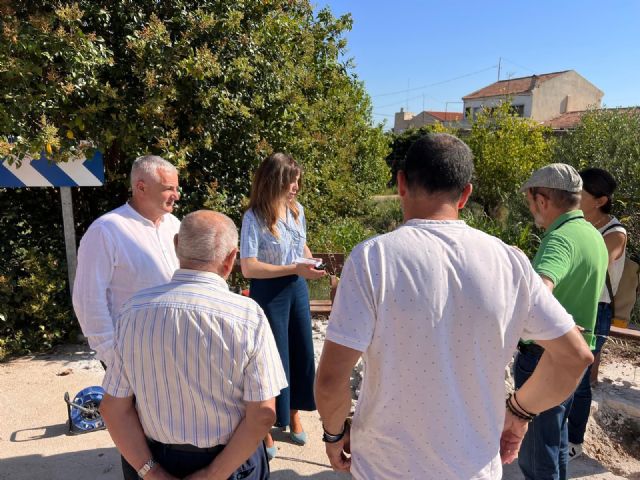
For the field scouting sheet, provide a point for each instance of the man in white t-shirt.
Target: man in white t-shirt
(126, 250)
(435, 309)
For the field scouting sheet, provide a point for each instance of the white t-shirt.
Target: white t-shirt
(437, 309)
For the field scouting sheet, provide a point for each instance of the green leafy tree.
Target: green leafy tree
(213, 86)
(400, 143)
(610, 139)
(507, 148)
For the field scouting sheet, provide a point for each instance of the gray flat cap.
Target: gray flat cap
(556, 175)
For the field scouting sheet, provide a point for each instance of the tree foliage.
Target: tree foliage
(212, 86)
(400, 143)
(610, 139)
(506, 148)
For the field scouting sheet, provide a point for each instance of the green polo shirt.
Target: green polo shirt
(574, 257)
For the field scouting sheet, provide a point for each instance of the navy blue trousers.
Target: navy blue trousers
(182, 463)
(285, 301)
(544, 453)
(581, 408)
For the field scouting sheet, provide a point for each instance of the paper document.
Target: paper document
(309, 261)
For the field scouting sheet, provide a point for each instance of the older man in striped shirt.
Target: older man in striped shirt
(202, 365)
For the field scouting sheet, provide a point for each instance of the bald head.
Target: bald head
(205, 240)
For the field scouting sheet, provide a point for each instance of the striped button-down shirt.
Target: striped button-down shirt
(257, 241)
(193, 353)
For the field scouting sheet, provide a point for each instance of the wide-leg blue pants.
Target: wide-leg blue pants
(285, 301)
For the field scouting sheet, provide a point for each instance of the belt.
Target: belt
(185, 447)
(531, 348)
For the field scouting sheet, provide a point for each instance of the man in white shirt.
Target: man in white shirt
(126, 250)
(202, 364)
(435, 309)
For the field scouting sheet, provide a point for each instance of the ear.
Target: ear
(601, 201)
(542, 201)
(175, 241)
(228, 263)
(140, 186)
(401, 180)
(464, 198)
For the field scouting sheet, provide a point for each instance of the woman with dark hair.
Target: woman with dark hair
(598, 186)
(272, 239)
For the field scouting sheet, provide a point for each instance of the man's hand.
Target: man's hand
(159, 473)
(201, 474)
(337, 453)
(512, 436)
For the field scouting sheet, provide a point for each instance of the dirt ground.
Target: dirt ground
(34, 440)
(613, 435)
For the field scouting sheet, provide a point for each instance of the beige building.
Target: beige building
(405, 120)
(539, 97)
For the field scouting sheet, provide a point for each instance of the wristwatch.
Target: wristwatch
(146, 467)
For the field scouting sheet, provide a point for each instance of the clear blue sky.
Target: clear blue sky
(409, 44)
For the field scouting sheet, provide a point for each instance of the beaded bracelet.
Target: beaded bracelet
(330, 437)
(515, 399)
(515, 412)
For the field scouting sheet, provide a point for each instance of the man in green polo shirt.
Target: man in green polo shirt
(572, 261)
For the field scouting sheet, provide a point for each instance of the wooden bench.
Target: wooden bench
(625, 333)
(333, 266)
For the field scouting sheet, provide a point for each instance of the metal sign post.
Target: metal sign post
(43, 173)
(69, 234)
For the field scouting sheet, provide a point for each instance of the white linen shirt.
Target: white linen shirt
(121, 253)
(193, 354)
(437, 309)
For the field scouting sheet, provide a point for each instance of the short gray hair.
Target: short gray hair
(206, 237)
(147, 166)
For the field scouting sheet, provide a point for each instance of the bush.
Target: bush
(515, 228)
(383, 215)
(339, 236)
(610, 139)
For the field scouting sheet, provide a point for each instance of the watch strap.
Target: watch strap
(146, 468)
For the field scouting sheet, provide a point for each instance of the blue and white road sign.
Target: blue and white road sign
(43, 173)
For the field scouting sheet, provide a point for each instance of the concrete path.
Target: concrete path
(34, 441)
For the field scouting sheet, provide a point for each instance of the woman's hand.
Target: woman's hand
(309, 271)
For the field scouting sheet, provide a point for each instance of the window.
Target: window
(517, 110)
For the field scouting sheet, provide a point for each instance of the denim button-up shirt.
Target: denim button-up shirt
(256, 241)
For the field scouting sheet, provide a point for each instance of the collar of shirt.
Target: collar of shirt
(185, 275)
(133, 213)
(563, 218)
(425, 222)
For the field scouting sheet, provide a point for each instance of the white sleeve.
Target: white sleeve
(353, 314)
(96, 262)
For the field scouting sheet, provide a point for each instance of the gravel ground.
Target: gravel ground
(34, 441)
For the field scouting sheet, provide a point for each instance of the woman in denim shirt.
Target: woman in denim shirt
(273, 236)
